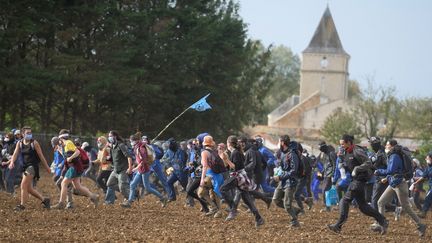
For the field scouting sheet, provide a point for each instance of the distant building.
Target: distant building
(323, 82)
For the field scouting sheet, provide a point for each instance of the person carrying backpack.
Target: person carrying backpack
(287, 182)
(144, 161)
(212, 169)
(356, 162)
(396, 174)
(156, 167)
(32, 155)
(72, 171)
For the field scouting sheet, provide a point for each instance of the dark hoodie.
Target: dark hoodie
(254, 163)
(290, 162)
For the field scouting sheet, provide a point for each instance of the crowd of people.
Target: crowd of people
(221, 177)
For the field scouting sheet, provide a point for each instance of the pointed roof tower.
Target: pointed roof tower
(326, 38)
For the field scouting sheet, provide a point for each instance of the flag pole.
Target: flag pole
(169, 124)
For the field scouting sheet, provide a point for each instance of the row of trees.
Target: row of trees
(96, 65)
(377, 111)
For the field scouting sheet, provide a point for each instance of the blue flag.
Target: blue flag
(201, 105)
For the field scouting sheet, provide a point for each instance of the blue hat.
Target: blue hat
(201, 136)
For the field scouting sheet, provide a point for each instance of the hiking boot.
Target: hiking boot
(295, 224)
(204, 210)
(298, 211)
(397, 213)
(126, 204)
(421, 229)
(301, 212)
(259, 222)
(384, 227)
(69, 205)
(46, 203)
(309, 203)
(59, 206)
(231, 215)
(95, 200)
(268, 202)
(164, 202)
(335, 228)
(218, 214)
(171, 200)
(19, 208)
(375, 227)
(422, 214)
(211, 212)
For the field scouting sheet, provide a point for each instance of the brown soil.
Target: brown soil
(147, 221)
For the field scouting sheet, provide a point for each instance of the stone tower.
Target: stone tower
(323, 83)
(324, 64)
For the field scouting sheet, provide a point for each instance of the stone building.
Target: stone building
(323, 82)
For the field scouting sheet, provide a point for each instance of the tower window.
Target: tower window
(324, 62)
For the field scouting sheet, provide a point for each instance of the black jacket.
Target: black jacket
(254, 164)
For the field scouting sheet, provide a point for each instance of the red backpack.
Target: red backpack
(85, 161)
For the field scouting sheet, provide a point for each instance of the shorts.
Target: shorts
(30, 171)
(72, 173)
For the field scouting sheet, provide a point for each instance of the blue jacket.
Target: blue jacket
(427, 174)
(177, 160)
(337, 175)
(394, 171)
(268, 156)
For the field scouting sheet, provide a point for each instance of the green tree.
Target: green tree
(92, 66)
(416, 118)
(339, 123)
(377, 110)
(285, 69)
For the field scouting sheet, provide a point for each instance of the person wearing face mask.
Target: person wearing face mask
(157, 166)
(142, 172)
(379, 161)
(356, 162)
(427, 175)
(397, 184)
(176, 159)
(328, 159)
(104, 161)
(123, 165)
(288, 179)
(71, 173)
(238, 180)
(32, 155)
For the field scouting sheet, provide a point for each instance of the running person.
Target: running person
(72, 171)
(32, 156)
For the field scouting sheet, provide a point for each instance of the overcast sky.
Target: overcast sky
(390, 40)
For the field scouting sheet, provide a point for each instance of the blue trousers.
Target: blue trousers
(142, 178)
(179, 176)
(428, 201)
(265, 185)
(157, 169)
